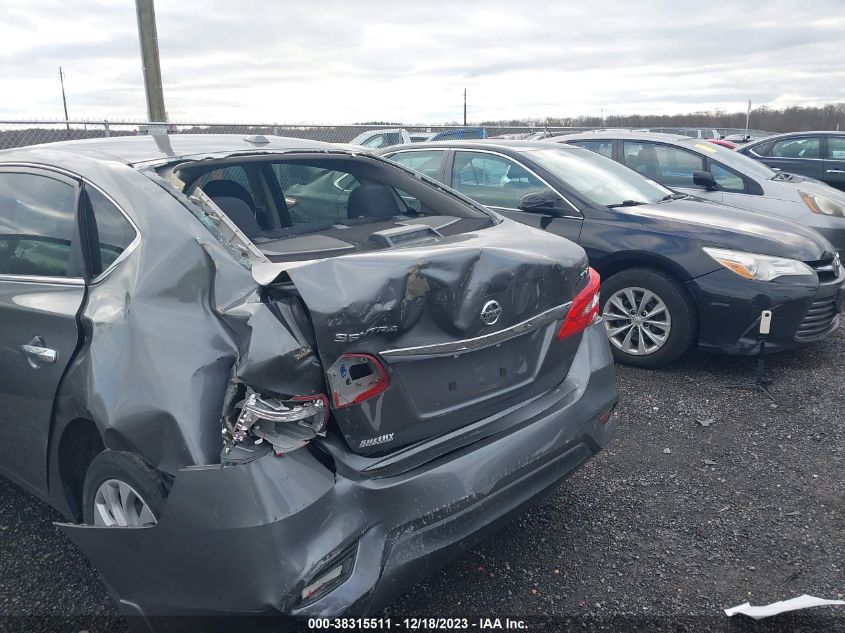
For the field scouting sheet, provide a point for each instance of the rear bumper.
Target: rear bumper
(729, 311)
(247, 539)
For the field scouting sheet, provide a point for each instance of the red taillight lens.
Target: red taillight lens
(355, 377)
(584, 310)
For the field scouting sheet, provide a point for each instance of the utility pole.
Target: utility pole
(64, 99)
(149, 58)
(465, 107)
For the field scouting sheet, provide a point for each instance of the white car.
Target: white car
(376, 139)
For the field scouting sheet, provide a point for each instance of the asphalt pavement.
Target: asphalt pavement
(708, 497)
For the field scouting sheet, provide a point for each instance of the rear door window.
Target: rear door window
(37, 220)
(667, 165)
(605, 148)
(803, 147)
(426, 162)
(492, 180)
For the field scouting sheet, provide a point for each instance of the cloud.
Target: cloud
(338, 61)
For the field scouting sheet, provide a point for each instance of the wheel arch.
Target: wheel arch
(653, 265)
(618, 262)
(79, 442)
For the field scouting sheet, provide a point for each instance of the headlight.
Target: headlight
(824, 206)
(755, 266)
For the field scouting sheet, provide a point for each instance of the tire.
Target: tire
(678, 316)
(113, 468)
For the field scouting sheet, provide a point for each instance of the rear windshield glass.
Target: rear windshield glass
(280, 195)
(740, 162)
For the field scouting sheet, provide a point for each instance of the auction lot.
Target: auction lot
(640, 538)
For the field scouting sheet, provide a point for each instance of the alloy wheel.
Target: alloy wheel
(637, 321)
(117, 504)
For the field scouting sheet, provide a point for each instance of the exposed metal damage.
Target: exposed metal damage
(285, 424)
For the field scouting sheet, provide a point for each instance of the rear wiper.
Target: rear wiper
(626, 203)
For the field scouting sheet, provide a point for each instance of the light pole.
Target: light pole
(149, 58)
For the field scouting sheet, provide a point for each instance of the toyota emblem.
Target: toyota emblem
(491, 312)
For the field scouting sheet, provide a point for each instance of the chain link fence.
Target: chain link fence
(35, 132)
(20, 133)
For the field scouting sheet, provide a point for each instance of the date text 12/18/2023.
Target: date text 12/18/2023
(416, 624)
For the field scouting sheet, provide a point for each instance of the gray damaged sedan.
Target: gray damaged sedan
(266, 375)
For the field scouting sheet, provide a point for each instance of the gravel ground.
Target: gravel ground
(671, 524)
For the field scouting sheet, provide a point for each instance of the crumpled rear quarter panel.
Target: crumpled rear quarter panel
(166, 331)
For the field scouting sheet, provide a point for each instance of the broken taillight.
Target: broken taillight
(584, 310)
(355, 377)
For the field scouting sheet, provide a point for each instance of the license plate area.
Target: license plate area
(438, 384)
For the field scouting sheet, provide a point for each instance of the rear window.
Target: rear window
(310, 193)
(114, 232)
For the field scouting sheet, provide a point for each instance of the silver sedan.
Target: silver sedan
(706, 170)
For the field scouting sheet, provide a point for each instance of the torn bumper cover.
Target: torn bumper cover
(288, 535)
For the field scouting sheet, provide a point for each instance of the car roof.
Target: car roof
(775, 137)
(133, 150)
(491, 144)
(630, 135)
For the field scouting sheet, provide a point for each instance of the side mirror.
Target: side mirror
(705, 179)
(544, 202)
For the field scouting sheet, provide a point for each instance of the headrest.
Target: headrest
(372, 201)
(229, 189)
(238, 212)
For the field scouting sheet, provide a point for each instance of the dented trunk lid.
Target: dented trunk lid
(464, 328)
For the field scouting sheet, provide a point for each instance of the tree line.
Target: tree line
(791, 119)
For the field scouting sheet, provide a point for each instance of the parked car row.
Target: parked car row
(721, 175)
(678, 271)
(813, 155)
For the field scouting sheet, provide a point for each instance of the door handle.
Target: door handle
(835, 171)
(37, 354)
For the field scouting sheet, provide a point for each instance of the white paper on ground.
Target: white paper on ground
(801, 602)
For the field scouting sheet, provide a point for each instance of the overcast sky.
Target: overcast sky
(363, 60)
